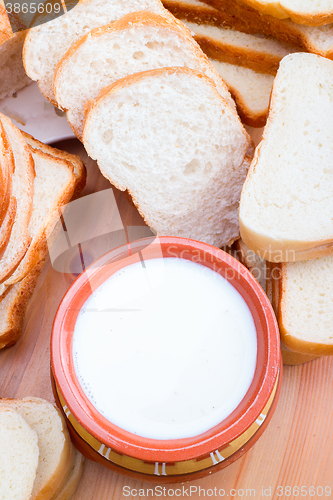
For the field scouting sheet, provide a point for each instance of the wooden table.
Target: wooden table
(296, 449)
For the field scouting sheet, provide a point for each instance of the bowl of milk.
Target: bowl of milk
(165, 359)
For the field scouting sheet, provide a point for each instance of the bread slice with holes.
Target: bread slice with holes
(305, 12)
(22, 191)
(46, 45)
(53, 188)
(171, 140)
(138, 42)
(302, 299)
(241, 16)
(19, 454)
(13, 75)
(55, 460)
(286, 203)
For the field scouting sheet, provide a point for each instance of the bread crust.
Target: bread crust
(283, 29)
(294, 350)
(73, 479)
(136, 19)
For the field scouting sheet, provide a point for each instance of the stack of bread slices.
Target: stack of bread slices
(37, 459)
(36, 181)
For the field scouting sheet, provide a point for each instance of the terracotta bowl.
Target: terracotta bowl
(178, 459)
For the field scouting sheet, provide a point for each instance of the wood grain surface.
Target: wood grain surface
(296, 449)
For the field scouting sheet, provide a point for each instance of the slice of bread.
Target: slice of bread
(286, 203)
(73, 478)
(46, 44)
(13, 75)
(53, 441)
(174, 143)
(53, 187)
(18, 456)
(256, 52)
(22, 191)
(318, 40)
(250, 89)
(7, 201)
(302, 298)
(305, 12)
(138, 42)
(13, 304)
(255, 264)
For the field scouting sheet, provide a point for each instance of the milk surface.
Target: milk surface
(165, 349)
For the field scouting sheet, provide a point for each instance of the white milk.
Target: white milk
(165, 351)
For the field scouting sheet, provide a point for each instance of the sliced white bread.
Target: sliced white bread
(13, 304)
(73, 479)
(257, 52)
(318, 40)
(305, 12)
(13, 75)
(174, 143)
(255, 264)
(54, 444)
(138, 42)
(53, 187)
(250, 89)
(18, 456)
(22, 191)
(46, 44)
(302, 299)
(287, 199)
(78, 167)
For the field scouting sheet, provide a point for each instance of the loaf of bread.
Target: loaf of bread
(286, 202)
(46, 45)
(179, 149)
(137, 42)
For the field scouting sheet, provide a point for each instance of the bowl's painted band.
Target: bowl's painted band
(165, 468)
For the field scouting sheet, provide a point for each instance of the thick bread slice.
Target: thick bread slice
(6, 199)
(13, 305)
(73, 479)
(18, 456)
(305, 12)
(138, 42)
(53, 441)
(255, 264)
(318, 40)
(79, 169)
(302, 298)
(287, 199)
(46, 44)
(22, 191)
(256, 52)
(53, 187)
(174, 143)
(250, 89)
